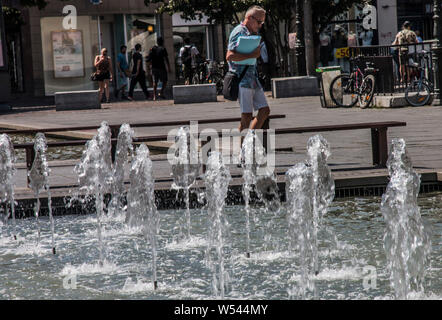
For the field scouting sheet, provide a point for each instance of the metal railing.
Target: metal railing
(397, 64)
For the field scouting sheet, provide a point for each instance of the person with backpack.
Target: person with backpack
(403, 38)
(159, 59)
(188, 55)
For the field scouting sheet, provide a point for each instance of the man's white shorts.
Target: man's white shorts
(251, 99)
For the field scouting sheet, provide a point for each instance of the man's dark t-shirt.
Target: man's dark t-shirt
(157, 55)
(137, 57)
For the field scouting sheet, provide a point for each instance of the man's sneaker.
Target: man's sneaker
(123, 97)
(130, 98)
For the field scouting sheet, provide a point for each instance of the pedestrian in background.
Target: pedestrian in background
(123, 73)
(188, 55)
(404, 38)
(138, 73)
(159, 59)
(104, 75)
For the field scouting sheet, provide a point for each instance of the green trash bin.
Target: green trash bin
(327, 76)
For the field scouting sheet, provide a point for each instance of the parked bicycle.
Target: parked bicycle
(418, 92)
(347, 89)
(207, 72)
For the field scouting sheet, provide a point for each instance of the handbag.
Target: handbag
(231, 85)
(94, 76)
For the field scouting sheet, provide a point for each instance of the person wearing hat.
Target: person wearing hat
(404, 38)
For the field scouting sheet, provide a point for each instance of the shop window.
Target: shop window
(142, 29)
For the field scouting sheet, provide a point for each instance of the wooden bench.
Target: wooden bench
(379, 141)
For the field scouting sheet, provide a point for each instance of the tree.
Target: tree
(279, 19)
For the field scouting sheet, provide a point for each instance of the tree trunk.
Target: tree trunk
(308, 37)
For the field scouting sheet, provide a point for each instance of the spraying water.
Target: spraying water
(39, 180)
(406, 240)
(299, 191)
(124, 144)
(318, 151)
(185, 167)
(217, 180)
(141, 208)
(249, 178)
(95, 175)
(7, 172)
(258, 175)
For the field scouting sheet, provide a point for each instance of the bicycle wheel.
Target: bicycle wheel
(343, 91)
(218, 80)
(366, 92)
(418, 93)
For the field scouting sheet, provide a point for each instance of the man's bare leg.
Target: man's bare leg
(262, 116)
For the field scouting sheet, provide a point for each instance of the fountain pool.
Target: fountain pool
(352, 260)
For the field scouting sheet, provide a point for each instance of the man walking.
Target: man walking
(251, 94)
(188, 54)
(159, 59)
(123, 73)
(138, 73)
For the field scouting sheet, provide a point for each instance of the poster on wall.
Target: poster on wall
(67, 48)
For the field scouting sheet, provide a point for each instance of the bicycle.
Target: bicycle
(418, 92)
(207, 72)
(347, 89)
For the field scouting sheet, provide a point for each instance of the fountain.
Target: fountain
(141, 209)
(406, 240)
(309, 192)
(318, 151)
(217, 268)
(217, 180)
(185, 168)
(7, 172)
(300, 193)
(39, 180)
(95, 175)
(124, 144)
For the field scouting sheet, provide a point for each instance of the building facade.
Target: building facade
(53, 57)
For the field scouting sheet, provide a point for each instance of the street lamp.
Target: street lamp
(299, 47)
(437, 52)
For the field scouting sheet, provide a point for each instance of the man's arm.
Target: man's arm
(235, 56)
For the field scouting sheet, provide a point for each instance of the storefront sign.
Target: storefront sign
(342, 53)
(67, 48)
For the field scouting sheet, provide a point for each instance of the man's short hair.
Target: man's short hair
(406, 24)
(137, 46)
(187, 40)
(123, 47)
(160, 41)
(253, 9)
